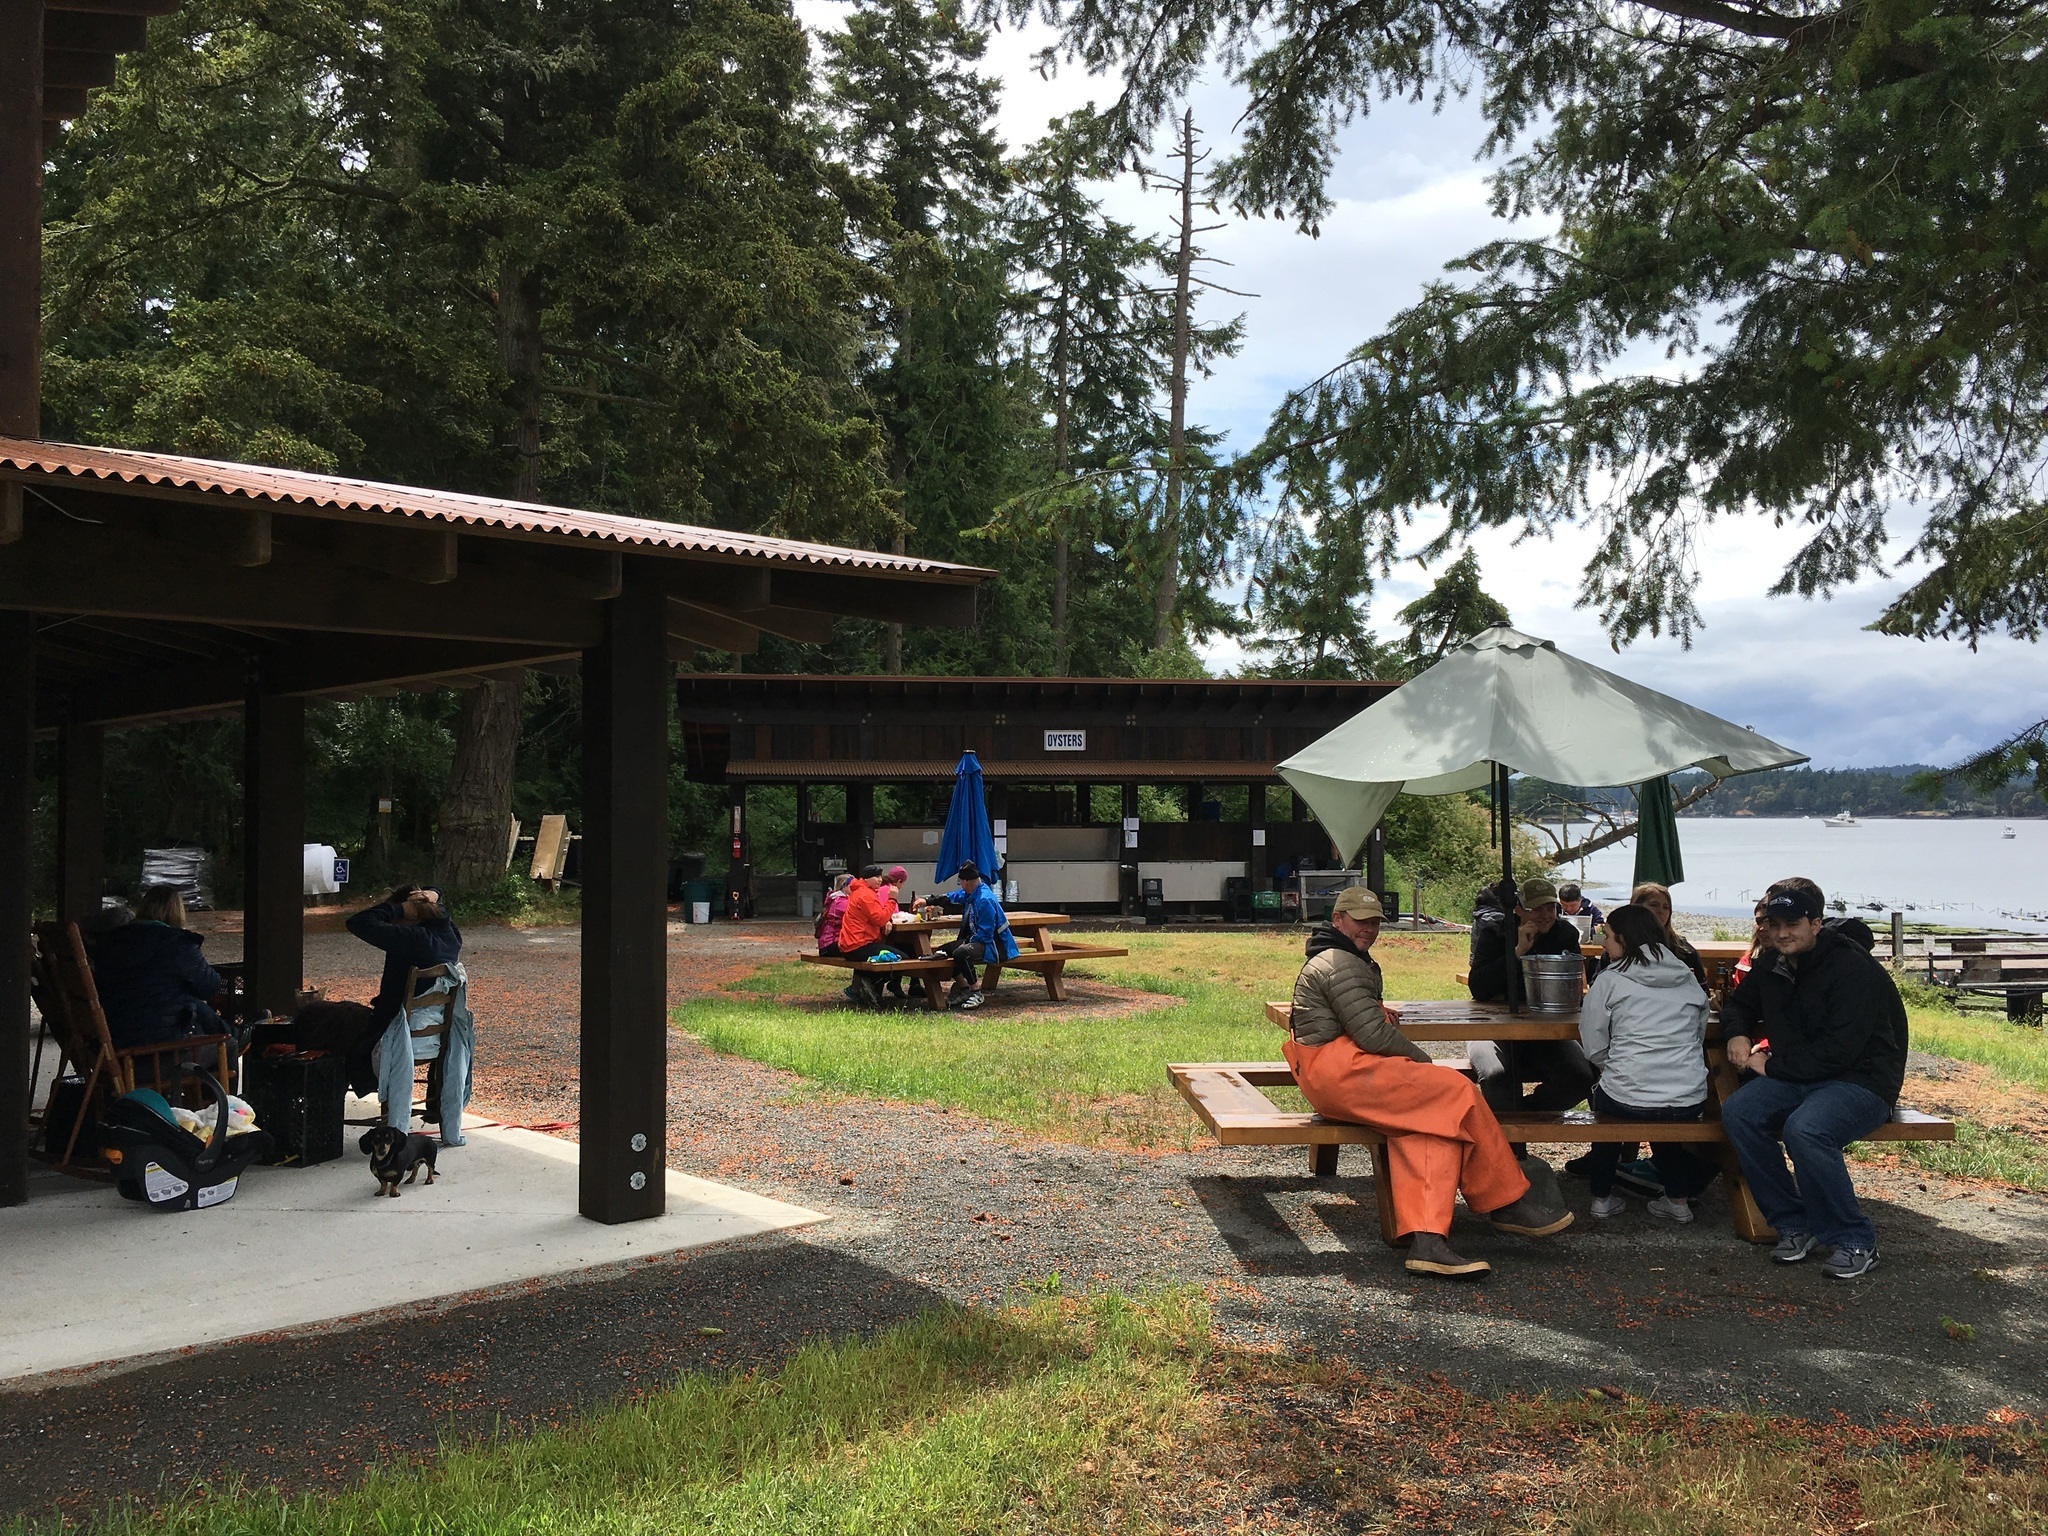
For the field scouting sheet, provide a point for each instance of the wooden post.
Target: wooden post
(860, 821)
(21, 219)
(1127, 857)
(1255, 813)
(624, 1130)
(81, 821)
(274, 849)
(1376, 861)
(17, 897)
(1898, 940)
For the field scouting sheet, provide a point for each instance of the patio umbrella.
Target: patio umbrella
(967, 834)
(1505, 702)
(1657, 856)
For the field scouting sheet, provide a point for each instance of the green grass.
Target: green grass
(1991, 1152)
(1055, 1069)
(963, 1422)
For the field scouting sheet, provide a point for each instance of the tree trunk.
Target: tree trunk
(892, 634)
(476, 809)
(1168, 592)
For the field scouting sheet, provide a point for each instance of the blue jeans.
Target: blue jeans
(1815, 1121)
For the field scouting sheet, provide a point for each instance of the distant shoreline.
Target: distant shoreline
(1691, 815)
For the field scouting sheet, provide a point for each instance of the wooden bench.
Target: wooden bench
(930, 969)
(1049, 963)
(1226, 1096)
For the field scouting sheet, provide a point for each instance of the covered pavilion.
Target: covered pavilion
(139, 587)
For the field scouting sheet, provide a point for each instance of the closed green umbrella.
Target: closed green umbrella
(1504, 699)
(1657, 857)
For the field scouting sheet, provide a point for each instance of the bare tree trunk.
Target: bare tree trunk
(1062, 458)
(469, 840)
(892, 634)
(1168, 591)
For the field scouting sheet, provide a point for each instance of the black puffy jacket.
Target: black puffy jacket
(154, 983)
(1836, 1014)
(1493, 943)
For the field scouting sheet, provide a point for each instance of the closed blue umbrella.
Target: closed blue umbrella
(967, 835)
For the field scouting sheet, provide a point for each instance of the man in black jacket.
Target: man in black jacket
(1820, 1023)
(1508, 923)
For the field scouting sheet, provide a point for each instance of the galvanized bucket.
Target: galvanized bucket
(1552, 983)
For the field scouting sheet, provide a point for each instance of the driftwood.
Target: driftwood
(1612, 829)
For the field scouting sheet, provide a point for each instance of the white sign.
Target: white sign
(1130, 823)
(1258, 837)
(1002, 845)
(1000, 827)
(1066, 741)
(1131, 838)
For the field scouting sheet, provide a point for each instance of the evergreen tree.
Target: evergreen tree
(1454, 609)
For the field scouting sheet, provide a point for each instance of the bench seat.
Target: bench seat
(1049, 963)
(1226, 1096)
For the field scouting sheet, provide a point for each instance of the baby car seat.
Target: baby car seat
(166, 1167)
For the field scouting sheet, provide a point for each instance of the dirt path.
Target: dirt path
(948, 1207)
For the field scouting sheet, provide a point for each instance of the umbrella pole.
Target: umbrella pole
(1501, 794)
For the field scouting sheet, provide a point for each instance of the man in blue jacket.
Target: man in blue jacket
(984, 935)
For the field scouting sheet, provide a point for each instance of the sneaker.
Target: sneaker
(971, 1000)
(1849, 1263)
(1792, 1247)
(1605, 1206)
(1668, 1209)
(853, 998)
(1639, 1177)
(1579, 1167)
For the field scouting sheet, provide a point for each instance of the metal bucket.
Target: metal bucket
(1552, 983)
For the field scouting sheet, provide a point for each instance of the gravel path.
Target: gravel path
(948, 1207)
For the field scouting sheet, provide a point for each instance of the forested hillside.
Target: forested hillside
(1813, 792)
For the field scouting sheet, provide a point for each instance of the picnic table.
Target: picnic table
(916, 939)
(1228, 1098)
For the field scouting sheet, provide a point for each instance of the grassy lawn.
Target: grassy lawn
(1057, 1069)
(1104, 1414)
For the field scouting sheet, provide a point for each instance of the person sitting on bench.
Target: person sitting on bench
(827, 929)
(984, 935)
(1644, 1024)
(1352, 1063)
(864, 931)
(1508, 923)
(1820, 1023)
(154, 985)
(1573, 902)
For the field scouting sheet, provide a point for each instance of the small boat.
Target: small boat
(2008, 833)
(1843, 820)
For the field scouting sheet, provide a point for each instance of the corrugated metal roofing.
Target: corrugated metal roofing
(290, 487)
(1077, 770)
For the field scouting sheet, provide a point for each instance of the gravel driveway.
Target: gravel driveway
(944, 1206)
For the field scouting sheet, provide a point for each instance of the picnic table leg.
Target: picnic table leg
(1383, 1195)
(1743, 1211)
(1056, 982)
(990, 975)
(1322, 1160)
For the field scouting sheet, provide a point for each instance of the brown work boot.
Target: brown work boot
(1430, 1254)
(1528, 1218)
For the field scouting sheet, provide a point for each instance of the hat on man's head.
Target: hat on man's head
(898, 874)
(1790, 905)
(871, 871)
(1356, 901)
(1534, 893)
(968, 870)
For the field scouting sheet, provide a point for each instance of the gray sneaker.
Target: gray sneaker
(1792, 1247)
(1849, 1263)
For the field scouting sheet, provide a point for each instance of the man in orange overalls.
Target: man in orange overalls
(1352, 1063)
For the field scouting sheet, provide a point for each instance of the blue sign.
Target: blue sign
(341, 871)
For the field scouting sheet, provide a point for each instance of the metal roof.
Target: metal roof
(172, 473)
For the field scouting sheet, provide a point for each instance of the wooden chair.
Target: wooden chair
(81, 1027)
(439, 1031)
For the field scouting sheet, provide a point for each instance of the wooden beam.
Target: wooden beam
(81, 821)
(890, 599)
(61, 103)
(104, 32)
(63, 567)
(118, 7)
(11, 498)
(73, 66)
(17, 891)
(304, 667)
(21, 221)
(704, 581)
(792, 624)
(707, 626)
(273, 849)
(623, 1057)
(424, 553)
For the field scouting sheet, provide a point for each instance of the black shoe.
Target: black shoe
(1579, 1167)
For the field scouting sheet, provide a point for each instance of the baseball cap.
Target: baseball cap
(1534, 893)
(897, 874)
(1790, 906)
(1356, 901)
(968, 870)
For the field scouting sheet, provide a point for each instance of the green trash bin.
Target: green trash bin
(700, 900)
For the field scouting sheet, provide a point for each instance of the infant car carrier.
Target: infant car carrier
(165, 1166)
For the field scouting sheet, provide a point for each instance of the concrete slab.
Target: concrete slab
(92, 1280)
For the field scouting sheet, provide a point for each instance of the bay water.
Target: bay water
(1959, 873)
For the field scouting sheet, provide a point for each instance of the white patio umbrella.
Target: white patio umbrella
(1505, 702)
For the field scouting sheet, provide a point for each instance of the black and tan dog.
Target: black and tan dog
(396, 1155)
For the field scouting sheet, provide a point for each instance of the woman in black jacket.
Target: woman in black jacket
(154, 985)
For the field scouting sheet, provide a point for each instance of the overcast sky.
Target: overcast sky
(1410, 197)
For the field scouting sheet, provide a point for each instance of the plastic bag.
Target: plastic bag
(189, 869)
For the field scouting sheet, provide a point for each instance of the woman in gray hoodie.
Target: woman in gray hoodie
(1644, 1024)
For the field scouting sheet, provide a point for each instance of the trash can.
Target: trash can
(1154, 892)
(699, 898)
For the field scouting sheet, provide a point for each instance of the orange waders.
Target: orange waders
(1442, 1138)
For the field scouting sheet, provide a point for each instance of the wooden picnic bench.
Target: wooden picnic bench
(1037, 950)
(1228, 1098)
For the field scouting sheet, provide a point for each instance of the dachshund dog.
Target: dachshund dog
(395, 1155)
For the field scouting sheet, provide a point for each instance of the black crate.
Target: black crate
(299, 1100)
